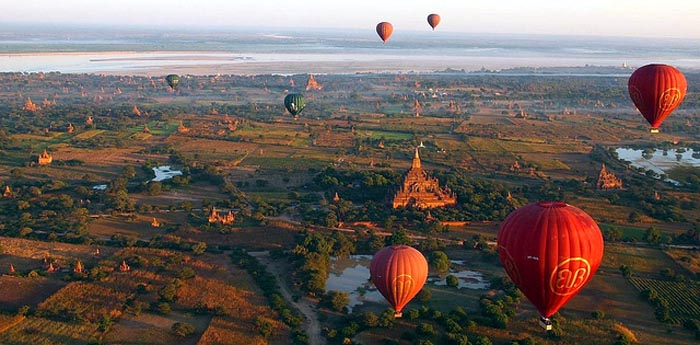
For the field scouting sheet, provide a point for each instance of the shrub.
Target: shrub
(182, 329)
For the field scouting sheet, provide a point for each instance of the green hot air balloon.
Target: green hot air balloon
(295, 103)
(173, 80)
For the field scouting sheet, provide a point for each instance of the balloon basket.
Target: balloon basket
(398, 315)
(546, 323)
(654, 130)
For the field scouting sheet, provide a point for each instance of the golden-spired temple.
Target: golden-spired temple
(215, 217)
(420, 190)
(608, 180)
(45, 158)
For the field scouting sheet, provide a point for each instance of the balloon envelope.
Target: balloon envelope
(433, 20)
(399, 272)
(657, 90)
(550, 250)
(173, 80)
(384, 30)
(295, 103)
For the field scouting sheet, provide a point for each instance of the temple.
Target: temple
(312, 84)
(421, 190)
(227, 219)
(44, 158)
(608, 180)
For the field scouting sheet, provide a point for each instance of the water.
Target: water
(323, 51)
(659, 161)
(164, 173)
(351, 275)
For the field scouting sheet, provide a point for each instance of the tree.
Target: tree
(653, 235)
(452, 280)
(439, 261)
(336, 300)
(199, 248)
(183, 329)
(400, 236)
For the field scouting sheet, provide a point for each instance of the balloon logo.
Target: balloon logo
(550, 250)
(569, 276)
(657, 90)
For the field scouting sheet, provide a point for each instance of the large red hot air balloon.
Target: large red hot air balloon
(399, 272)
(550, 250)
(433, 20)
(384, 30)
(657, 90)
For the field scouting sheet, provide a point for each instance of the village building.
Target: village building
(421, 190)
(44, 158)
(215, 217)
(607, 180)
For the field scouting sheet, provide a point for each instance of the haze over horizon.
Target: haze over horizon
(624, 18)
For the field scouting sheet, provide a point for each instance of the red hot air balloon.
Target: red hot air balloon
(550, 250)
(657, 90)
(433, 20)
(399, 272)
(384, 30)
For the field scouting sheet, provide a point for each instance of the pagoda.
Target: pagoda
(7, 193)
(420, 190)
(155, 223)
(44, 158)
(607, 180)
(70, 128)
(312, 84)
(215, 217)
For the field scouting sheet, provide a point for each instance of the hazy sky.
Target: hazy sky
(581, 17)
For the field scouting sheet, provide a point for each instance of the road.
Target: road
(312, 326)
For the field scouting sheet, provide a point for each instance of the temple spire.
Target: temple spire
(416, 161)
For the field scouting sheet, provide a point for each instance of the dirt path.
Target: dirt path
(312, 326)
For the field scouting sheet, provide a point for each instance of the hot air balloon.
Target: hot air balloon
(657, 90)
(433, 20)
(295, 103)
(399, 273)
(384, 30)
(550, 250)
(173, 80)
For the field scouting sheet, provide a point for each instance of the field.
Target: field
(277, 174)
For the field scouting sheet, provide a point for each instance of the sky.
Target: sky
(640, 18)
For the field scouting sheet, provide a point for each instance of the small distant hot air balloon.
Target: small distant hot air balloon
(433, 20)
(384, 30)
(173, 80)
(550, 250)
(295, 103)
(399, 272)
(657, 90)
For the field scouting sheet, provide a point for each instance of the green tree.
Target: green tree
(336, 300)
(182, 329)
(199, 248)
(399, 236)
(439, 261)
(452, 280)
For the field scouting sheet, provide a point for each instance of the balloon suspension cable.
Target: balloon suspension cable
(545, 323)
